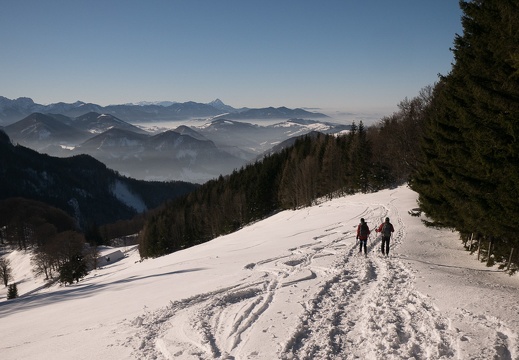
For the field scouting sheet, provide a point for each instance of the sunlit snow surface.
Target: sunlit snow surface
(290, 287)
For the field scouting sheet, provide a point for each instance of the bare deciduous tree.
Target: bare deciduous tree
(5, 271)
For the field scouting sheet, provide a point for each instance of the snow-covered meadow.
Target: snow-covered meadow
(290, 287)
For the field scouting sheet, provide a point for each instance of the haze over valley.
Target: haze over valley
(160, 141)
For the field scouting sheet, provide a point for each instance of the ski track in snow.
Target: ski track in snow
(366, 307)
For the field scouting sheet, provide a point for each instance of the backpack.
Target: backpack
(386, 229)
(364, 230)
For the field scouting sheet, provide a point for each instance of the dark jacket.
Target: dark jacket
(363, 237)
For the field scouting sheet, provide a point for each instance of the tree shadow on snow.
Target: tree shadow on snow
(446, 266)
(75, 291)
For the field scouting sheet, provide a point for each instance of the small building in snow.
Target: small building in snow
(109, 256)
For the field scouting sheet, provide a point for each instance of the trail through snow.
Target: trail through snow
(350, 306)
(293, 286)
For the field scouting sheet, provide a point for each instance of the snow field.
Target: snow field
(293, 286)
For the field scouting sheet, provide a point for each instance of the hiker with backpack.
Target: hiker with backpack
(386, 229)
(362, 235)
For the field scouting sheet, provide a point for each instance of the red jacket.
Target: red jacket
(365, 237)
(382, 226)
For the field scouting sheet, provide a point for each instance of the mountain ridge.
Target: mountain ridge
(14, 110)
(194, 154)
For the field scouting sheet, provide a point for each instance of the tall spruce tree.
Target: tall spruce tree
(469, 179)
(360, 159)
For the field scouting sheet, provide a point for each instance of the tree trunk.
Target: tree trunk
(510, 259)
(490, 242)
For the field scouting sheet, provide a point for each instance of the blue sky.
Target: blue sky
(342, 54)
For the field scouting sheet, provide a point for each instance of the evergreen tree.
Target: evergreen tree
(360, 159)
(73, 270)
(12, 291)
(93, 235)
(434, 179)
(470, 178)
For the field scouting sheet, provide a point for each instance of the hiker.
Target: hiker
(362, 235)
(386, 228)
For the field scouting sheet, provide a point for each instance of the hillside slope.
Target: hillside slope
(292, 286)
(80, 185)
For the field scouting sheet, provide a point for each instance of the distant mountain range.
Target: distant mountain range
(17, 109)
(193, 154)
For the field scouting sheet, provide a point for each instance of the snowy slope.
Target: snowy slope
(290, 287)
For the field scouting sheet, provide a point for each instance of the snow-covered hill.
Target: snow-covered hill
(290, 287)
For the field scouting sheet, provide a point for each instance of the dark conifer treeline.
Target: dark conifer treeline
(469, 177)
